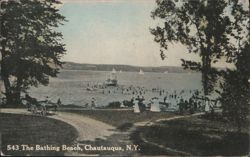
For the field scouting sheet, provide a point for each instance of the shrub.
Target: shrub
(128, 103)
(115, 104)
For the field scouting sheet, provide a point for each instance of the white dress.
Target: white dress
(136, 107)
(122, 105)
(155, 106)
(207, 107)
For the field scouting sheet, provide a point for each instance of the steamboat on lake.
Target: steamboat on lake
(111, 79)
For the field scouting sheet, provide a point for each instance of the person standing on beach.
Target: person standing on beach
(136, 105)
(93, 103)
(59, 103)
(207, 106)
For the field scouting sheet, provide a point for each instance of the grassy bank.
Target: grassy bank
(198, 136)
(34, 130)
(120, 117)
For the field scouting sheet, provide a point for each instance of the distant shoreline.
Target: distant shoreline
(124, 68)
(127, 71)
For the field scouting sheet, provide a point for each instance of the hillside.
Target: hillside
(109, 67)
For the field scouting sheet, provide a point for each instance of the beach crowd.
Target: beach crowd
(155, 99)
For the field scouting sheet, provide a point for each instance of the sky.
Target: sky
(114, 32)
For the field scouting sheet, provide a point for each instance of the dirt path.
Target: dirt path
(88, 129)
(148, 123)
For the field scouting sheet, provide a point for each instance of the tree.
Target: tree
(30, 46)
(206, 27)
(235, 99)
(235, 96)
(214, 30)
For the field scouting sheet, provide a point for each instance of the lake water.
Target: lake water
(70, 86)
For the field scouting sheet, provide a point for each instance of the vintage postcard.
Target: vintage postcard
(124, 77)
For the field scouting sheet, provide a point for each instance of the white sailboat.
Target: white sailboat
(120, 71)
(166, 72)
(141, 72)
(113, 71)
